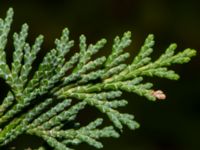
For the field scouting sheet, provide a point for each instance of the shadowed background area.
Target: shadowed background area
(173, 124)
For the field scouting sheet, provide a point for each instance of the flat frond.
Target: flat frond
(61, 88)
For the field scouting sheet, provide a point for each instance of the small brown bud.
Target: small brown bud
(159, 94)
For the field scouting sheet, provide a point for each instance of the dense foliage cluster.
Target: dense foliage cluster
(43, 103)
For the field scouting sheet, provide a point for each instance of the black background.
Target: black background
(173, 124)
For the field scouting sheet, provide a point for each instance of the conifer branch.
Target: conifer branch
(53, 97)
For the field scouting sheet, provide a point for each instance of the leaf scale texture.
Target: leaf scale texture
(61, 88)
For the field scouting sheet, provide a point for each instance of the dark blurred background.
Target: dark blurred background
(173, 124)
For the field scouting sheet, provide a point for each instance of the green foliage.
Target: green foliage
(44, 103)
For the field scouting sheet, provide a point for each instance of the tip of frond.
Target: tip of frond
(193, 52)
(150, 36)
(127, 34)
(10, 9)
(173, 45)
(65, 30)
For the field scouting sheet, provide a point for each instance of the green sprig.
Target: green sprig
(61, 88)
